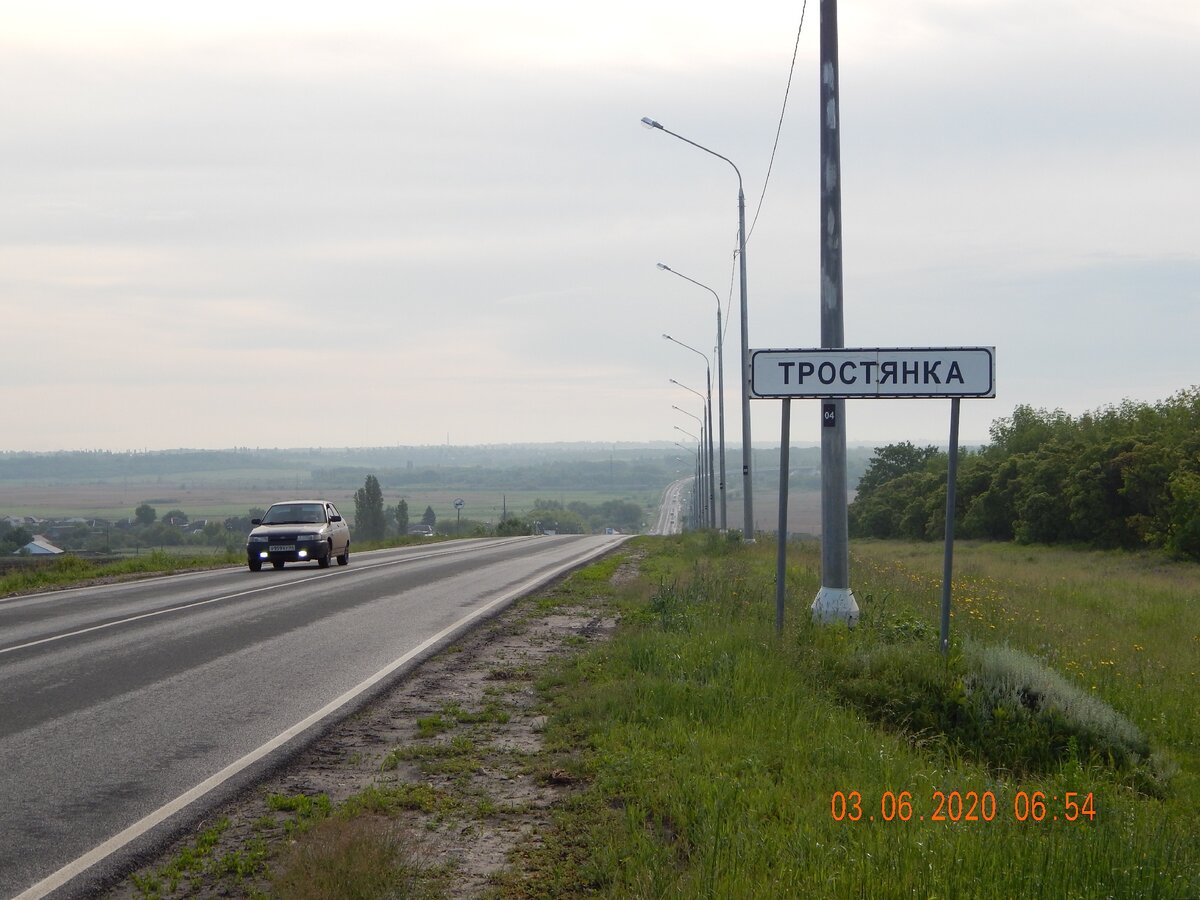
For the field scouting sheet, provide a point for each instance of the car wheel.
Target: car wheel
(344, 558)
(277, 563)
(254, 564)
(323, 561)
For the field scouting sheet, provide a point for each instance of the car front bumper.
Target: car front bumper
(290, 551)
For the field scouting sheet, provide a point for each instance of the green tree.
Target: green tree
(369, 523)
(401, 516)
(429, 517)
(512, 527)
(13, 539)
(145, 514)
(176, 517)
(893, 461)
(1183, 535)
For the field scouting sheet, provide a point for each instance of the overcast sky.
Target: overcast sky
(368, 223)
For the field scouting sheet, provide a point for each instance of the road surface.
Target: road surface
(670, 512)
(127, 710)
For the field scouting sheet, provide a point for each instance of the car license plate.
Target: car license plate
(280, 548)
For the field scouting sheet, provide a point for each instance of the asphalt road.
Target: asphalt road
(670, 511)
(127, 710)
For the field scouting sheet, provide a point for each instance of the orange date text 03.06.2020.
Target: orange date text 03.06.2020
(963, 806)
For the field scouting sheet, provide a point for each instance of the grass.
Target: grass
(1122, 627)
(714, 751)
(351, 858)
(68, 570)
(1052, 752)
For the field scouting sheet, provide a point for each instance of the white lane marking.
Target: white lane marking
(258, 590)
(56, 880)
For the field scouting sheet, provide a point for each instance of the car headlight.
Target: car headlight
(308, 537)
(257, 539)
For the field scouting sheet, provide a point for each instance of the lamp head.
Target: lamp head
(667, 337)
(650, 123)
(664, 267)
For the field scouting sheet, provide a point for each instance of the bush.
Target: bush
(1006, 685)
(997, 705)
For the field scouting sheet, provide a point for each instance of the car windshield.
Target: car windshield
(295, 514)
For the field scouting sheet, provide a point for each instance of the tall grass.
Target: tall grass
(715, 749)
(1123, 627)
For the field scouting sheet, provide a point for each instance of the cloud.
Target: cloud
(455, 209)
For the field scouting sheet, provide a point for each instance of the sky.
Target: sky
(377, 223)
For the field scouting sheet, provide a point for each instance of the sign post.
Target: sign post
(872, 373)
(948, 564)
(838, 374)
(458, 506)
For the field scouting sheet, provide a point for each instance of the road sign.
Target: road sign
(459, 503)
(875, 373)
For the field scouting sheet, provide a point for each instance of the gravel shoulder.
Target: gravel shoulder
(454, 749)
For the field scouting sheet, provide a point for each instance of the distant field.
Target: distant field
(113, 501)
(804, 511)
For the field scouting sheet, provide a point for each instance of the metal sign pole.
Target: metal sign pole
(948, 566)
(785, 448)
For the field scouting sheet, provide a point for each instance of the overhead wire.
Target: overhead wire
(771, 163)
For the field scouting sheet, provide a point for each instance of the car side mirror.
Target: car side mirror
(335, 518)
(256, 521)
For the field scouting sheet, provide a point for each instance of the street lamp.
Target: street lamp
(747, 480)
(696, 504)
(712, 491)
(707, 477)
(712, 496)
(720, 380)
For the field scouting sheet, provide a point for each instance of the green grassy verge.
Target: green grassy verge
(719, 757)
(1052, 753)
(68, 570)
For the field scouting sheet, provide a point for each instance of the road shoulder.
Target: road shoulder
(446, 769)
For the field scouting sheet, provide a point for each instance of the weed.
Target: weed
(387, 800)
(428, 726)
(308, 809)
(347, 858)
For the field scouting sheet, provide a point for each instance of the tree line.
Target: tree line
(1124, 476)
(374, 520)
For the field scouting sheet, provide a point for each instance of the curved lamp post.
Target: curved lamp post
(720, 382)
(707, 476)
(747, 480)
(702, 464)
(694, 462)
(707, 407)
(712, 491)
(697, 491)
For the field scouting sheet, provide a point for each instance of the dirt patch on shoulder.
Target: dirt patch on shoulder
(451, 756)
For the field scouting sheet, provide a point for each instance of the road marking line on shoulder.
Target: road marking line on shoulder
(81, 864)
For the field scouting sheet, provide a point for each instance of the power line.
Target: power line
(771, 164)
(779, 128)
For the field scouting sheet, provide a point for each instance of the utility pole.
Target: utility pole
(835, 601)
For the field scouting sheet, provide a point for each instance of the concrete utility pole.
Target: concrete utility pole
(835, 601)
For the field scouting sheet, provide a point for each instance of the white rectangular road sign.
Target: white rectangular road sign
(875, 373)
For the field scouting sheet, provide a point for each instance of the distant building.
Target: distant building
(39, 546)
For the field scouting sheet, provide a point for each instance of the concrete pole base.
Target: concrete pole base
(834, 605)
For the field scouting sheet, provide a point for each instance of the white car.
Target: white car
(298, 531)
